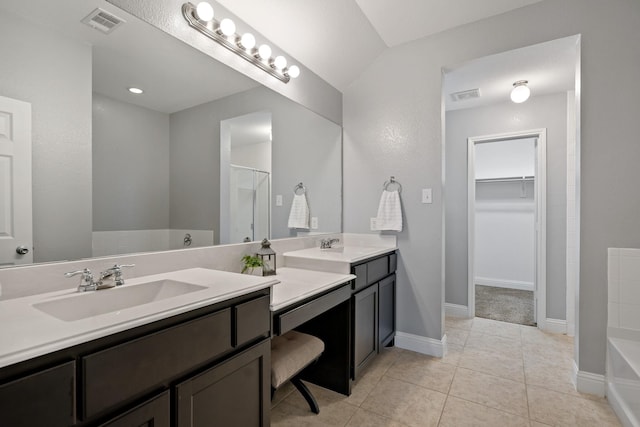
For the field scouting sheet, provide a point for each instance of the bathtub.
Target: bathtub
(623, 375)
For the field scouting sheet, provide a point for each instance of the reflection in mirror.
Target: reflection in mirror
(115, 172)
(248, 140)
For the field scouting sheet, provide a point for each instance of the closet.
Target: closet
(504, 218)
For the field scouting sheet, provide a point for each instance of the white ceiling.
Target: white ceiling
(549, 67)
(338, 39)
(136, 54)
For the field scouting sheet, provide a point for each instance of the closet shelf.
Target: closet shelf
(507, 179)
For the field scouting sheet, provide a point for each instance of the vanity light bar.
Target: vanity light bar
(223, 32)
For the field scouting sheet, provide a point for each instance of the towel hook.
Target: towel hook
(392, 181)
(301, 187)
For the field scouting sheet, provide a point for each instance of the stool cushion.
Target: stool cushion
(290, 353)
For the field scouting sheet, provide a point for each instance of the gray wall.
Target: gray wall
(130, 166)
(308, 89)
(392, 122)
(548, 112)
(53, 73)
(305, 147)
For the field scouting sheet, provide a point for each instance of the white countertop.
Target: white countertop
(337, 259)
(297, 284)
(347, 254)
(27, 332)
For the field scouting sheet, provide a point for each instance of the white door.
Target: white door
(16, 236)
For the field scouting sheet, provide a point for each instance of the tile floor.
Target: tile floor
(495, 374)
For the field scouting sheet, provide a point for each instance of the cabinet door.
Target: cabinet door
(153, 413)
(235, 393)
(386, 310)
(365, 327)
(45, 398)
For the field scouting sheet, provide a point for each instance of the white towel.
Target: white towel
(299, 215)
(389, 212)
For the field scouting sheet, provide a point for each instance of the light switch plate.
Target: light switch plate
(279, 200)
(426, 195)
(314, 222)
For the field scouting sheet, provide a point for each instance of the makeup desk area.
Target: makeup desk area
(344, 297)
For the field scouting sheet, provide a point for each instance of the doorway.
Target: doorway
(507, 225)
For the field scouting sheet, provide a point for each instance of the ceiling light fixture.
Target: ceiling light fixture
(135, 90)
(200, 17)
(520, 91)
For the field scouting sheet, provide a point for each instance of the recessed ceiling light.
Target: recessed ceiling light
(135, 90)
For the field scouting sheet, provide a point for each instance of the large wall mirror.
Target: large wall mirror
(114, 172)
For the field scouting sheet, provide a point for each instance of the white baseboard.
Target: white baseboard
(500, 283)
(589, 383)
(555, 326)
(420, 344)
(456, 310)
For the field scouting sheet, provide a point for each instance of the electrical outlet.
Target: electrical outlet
(373, 224)
(427, 196)
(279, 200)
(314, 222)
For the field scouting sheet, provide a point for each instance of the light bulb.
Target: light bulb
(204, 11)
(280, 62)
(293, 71)
(520, 91)
(227, 27)
(135, 90)
(264, 51)
(247, 41)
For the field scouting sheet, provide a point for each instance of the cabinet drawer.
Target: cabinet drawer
(131, 369)
(361, 281)
(252, 320)
(393, 262)
(377, 269)
(45, 398)
(290, 319)
(153, 413)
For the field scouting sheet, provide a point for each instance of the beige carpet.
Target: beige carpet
(506, 305)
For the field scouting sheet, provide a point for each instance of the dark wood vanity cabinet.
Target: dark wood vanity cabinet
(156, 412)
(386, 310)
(43, 398)
(373, 309)
(211, 363)
(235, 393)
(365, 326)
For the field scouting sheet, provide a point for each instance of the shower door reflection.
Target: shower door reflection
(249, 204)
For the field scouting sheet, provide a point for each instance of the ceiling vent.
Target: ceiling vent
(465, 95)
(103, 21)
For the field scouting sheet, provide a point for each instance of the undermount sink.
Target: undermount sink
(89, 304)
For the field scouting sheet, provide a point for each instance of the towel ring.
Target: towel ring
(299, 187)
(392, 181)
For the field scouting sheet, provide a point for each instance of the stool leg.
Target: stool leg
(304, 391)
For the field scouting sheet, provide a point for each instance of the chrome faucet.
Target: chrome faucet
(326, 243)
(109, 278)
(86, 281)
(113, 276)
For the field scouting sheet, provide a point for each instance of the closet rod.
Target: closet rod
(507, 179)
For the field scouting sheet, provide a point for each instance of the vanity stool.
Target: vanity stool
(290, 354)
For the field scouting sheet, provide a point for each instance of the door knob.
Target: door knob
(22, 250)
